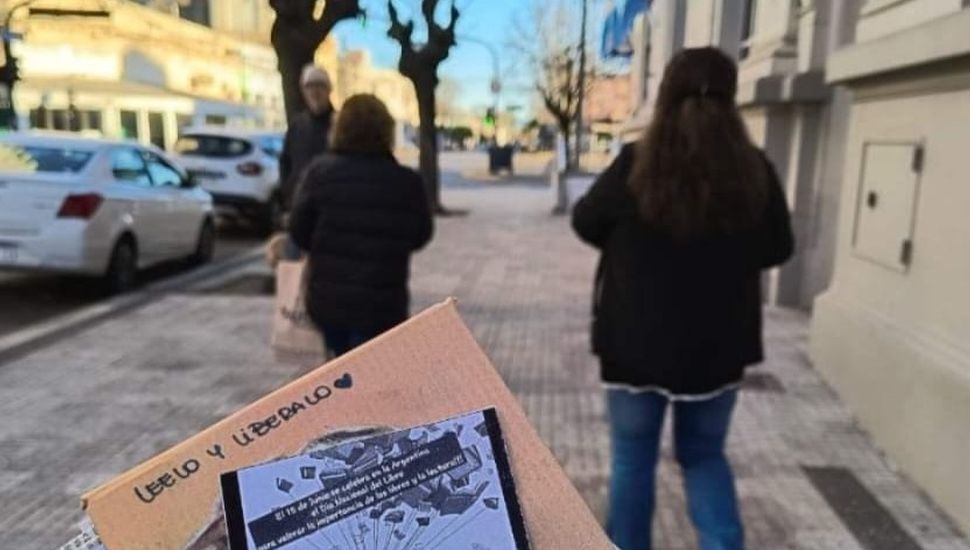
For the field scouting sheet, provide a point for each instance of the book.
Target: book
(442, 485)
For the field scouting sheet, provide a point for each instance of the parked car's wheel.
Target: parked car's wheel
(205, 247)
(122, 271)
(270, 218)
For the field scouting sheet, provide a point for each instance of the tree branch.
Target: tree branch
(399, 31)
(335, 11)
(294, 19)
(440, 39)
(427, 9)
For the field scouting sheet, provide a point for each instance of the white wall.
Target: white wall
(895, 341)
(895, 345)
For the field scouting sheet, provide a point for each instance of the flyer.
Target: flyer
(443, 485)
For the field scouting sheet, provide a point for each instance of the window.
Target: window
(195, 10)
(748, 26)
(161, 173)
(129, 124)
(197, 145)
(183, 121)
(91, 120)
(215, 120)
(156, 130)
(128, 167)
(66, 119)
(29, 158)
(272, 145)
(40, 118)
(61, 119)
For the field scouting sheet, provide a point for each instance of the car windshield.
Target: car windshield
(272, 145)
(212, 146)
(40, 158)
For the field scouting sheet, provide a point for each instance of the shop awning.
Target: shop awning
(617, 28)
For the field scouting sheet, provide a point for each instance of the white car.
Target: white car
(97, 207)
(240, 168)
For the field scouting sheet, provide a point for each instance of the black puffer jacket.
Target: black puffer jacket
(359, 217)
(684, 317)
(307, 137)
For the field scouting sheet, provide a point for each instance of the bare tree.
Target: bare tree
(554, 60)
(419, 63)
(557, 82)
(296, 35)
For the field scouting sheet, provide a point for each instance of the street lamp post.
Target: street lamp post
(496, 83)
(582, 85)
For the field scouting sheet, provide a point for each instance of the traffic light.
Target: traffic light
(490, 117)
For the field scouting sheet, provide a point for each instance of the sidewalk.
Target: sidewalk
(87, 407)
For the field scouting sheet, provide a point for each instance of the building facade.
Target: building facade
(607, 106)
(863, 106)
(357, 74)
(142, 71)
(781, 47)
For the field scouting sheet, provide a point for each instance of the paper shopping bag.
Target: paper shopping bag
(293, 331)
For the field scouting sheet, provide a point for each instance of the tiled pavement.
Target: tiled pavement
(90, 406)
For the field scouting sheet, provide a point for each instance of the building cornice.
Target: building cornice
(807, 87)
(942, 39)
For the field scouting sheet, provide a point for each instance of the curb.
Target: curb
(27, 340)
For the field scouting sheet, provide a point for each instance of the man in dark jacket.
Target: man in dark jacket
(308, 134)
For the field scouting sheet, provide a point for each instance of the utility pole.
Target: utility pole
(582, 86)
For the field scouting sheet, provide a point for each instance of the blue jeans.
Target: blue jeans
(700, 431)
(341, 340)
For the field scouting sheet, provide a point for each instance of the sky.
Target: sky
(470, 64)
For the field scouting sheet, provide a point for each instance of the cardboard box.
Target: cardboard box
(426, 369)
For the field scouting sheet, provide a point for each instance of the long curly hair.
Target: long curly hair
(695, 170)
(364, 125)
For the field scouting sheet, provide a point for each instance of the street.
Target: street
(28, 298)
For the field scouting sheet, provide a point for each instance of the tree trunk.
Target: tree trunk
(291, 63)
(567, 140)
(425, 90)
(560, 178)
